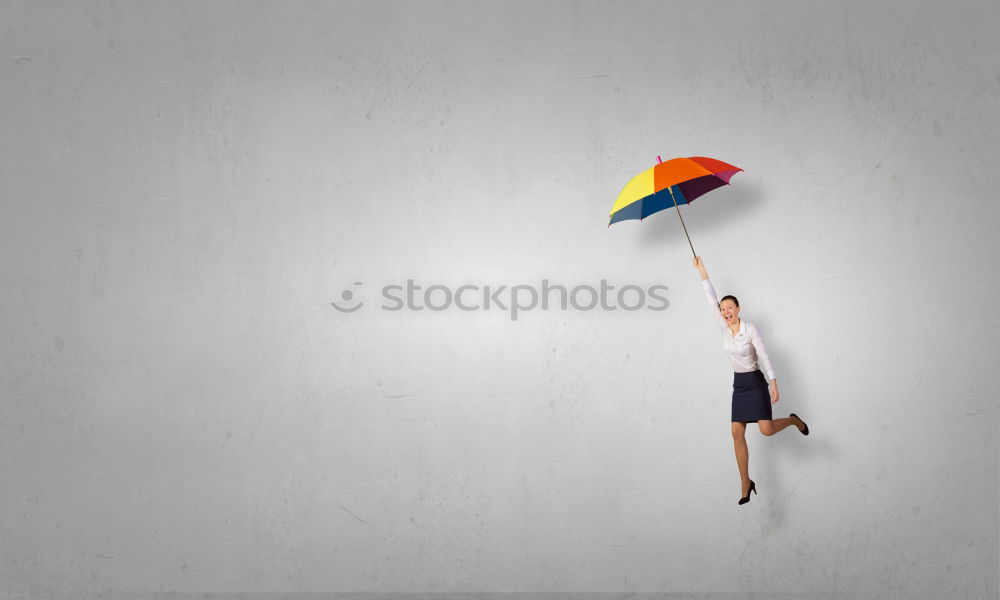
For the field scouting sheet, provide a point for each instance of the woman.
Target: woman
(751, 402)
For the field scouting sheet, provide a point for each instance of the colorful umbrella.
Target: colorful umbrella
(672, 183)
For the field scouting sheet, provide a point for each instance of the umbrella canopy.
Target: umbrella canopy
(675, 182)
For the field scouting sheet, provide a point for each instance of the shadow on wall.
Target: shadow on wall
(788, 456)
(722, 209)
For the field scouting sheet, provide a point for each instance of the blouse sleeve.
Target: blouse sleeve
(713, 301)
(762, 360)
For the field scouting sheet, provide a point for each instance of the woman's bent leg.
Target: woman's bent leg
(776, 425)
(742, 454)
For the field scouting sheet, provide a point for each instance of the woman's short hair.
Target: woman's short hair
(733, 298)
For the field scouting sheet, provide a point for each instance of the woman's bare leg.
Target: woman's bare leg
(742, 454)
(773, 427)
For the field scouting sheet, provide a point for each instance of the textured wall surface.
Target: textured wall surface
(188, 187)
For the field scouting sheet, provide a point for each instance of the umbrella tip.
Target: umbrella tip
(658, 159)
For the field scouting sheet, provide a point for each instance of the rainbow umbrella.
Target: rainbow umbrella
(670, 184)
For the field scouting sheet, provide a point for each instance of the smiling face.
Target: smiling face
(730, 311)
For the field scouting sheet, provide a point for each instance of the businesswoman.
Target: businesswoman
(751, 400)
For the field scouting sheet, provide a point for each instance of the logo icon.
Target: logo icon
(347, 296)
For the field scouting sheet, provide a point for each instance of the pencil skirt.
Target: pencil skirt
(751, 398)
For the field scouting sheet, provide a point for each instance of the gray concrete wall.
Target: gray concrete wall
(188, 186)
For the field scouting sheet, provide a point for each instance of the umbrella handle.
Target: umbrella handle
(671, 189)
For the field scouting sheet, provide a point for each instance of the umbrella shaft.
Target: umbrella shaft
(682, 221)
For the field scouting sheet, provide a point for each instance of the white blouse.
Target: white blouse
(746, 348)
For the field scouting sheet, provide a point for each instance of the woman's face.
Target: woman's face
(730, 312)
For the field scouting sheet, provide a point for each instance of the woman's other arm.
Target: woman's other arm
(763, 361)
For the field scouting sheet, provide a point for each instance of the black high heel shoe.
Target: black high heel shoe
(753, 488)
(804, 431)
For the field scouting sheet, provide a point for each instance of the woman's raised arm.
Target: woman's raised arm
(701, 267)
(713, 299)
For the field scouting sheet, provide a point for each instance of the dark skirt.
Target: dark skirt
(751, 398)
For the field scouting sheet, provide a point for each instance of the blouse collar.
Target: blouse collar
(743, 328)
